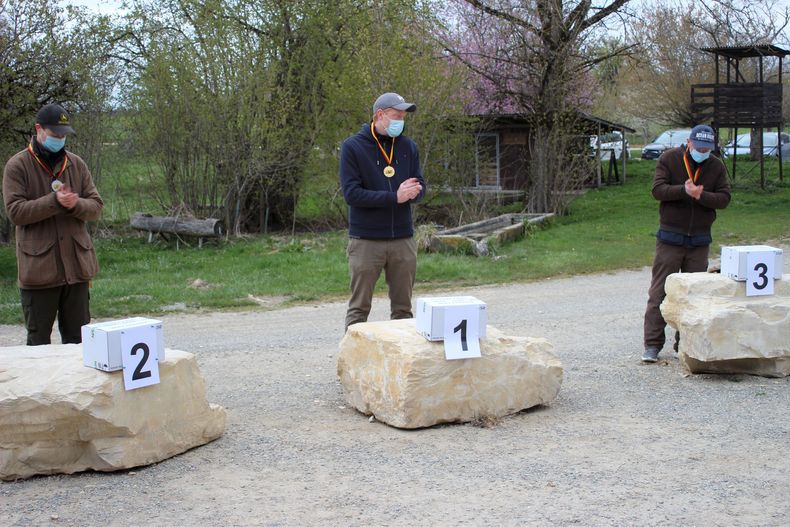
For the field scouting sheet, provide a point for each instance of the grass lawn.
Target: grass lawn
(606, 229)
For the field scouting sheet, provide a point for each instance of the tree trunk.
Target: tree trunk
(187, 226)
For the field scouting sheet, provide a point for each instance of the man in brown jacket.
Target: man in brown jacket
(49, 195)
(691, 185)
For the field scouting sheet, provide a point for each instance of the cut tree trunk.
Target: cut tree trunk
(177, 225)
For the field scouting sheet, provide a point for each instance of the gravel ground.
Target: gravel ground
(623, 444)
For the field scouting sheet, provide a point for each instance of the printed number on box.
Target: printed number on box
(139, 358)
(760, 273)
(461, 338)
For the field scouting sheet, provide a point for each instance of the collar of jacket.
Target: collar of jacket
(385, 140)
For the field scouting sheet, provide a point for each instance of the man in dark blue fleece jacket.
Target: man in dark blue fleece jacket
(381, 177)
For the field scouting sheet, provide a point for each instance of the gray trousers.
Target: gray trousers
(366, 259)
(669, 259)
(70, 303)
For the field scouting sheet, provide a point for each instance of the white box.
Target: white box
(733, 260)
(430, 314)
(101, 342)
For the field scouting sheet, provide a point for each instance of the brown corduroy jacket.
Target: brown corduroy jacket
(679, 212)
(53, 246)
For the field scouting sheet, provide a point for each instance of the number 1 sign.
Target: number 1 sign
(461, 339)
(139, 357)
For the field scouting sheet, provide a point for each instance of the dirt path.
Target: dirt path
(624, 443)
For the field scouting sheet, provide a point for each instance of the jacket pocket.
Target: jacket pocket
(37, 263)
(85, 256)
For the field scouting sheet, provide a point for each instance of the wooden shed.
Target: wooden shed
(502, 151)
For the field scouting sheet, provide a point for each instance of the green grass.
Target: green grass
(127, 185)
(606, 229)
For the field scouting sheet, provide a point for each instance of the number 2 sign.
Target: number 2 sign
(461, 339)
(760, 273)
(139, 357)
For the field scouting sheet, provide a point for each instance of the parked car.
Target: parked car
(741, 146)
(665, 141)
(611, 142)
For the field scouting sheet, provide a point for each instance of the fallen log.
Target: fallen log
(207, 228)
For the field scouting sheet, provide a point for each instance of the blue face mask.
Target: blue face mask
(53, 144)
(395, 128)
(699, 157)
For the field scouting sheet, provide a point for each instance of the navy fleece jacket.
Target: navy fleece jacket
(373, 209)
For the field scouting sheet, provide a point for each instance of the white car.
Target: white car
(665, 141)
(611, 142)
(743, 141)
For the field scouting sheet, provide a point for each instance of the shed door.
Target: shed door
(487, 160)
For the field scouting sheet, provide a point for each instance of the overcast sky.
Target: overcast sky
(108, 7)
(105, 7)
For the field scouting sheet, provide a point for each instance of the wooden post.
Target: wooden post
(598, 157)
(762, 159)
(624, 154)
(734, 150)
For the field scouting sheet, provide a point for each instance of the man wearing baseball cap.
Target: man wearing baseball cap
(381, 177)
(690, 184)
(49, 195)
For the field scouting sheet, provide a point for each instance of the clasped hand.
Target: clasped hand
(409, 189)
(66, 197)
(695, 191)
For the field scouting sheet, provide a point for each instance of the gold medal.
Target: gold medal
(56, 185)
(389, 171)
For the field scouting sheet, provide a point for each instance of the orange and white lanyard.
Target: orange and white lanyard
(388, 159)
(45, 167)
(688, 168)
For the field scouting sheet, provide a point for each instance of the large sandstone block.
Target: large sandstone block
(390, 371)
(58, 416)
(724, 331)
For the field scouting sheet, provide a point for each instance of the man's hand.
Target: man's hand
(409, 189)
(695, 191)
(66, 197)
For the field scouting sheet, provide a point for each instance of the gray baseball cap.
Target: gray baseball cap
(393, 100)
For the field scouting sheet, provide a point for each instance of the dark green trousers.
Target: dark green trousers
(68, 302)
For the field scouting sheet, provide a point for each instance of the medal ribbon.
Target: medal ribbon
(45, 167)
(388, 159)
(688, 168)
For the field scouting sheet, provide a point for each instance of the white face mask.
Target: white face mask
(395, 128)
(54, 144)
(699, 157)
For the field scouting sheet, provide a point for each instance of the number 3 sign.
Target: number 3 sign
(461, 339)
(760, 273)
(139, 357)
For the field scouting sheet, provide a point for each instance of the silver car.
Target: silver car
(741, 146)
